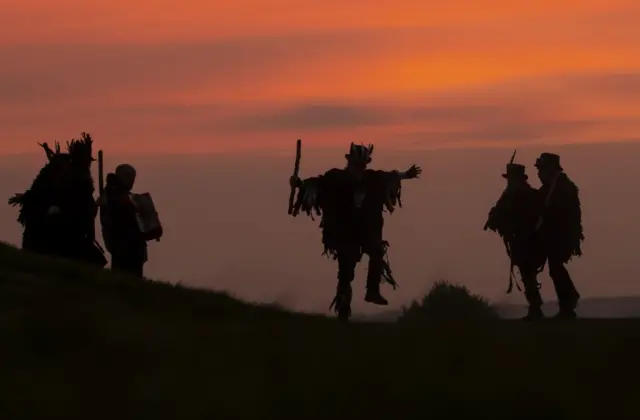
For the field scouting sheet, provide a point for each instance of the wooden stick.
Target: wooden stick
(296, 170)
(100, 172)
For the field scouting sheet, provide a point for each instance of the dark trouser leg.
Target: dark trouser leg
(127, 264)
(568, 296)
(348, 257)
(531, 292)
(374, 274)
(526, 253)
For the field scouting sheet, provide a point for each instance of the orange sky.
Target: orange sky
(195, 75)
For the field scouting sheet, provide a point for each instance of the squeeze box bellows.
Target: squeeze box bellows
(147, 216)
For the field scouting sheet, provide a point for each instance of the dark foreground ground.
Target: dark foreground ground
(80, 344)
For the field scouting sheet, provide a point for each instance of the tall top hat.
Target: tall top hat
(359, 153)
(515, 170)
(549, 161)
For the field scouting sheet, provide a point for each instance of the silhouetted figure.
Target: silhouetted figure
(120, 220)
(560, 228)
(58, 211)
(351, 202)
(83, 208)
(514, 218)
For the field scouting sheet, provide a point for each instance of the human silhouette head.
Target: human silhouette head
(548, 165)
(359, 157)
(126, 174)
(80, 151)
(515, 173)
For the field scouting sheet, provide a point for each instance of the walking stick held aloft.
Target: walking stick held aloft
(296, 170)
(100, 173)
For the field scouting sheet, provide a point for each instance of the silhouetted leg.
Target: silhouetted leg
(127, 264)
(30, 241)
(568, 296)
(138, 270)
(348, 256)
(375, 251)
(531, 292)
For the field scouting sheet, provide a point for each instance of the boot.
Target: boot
(342, 302)
(534, 299)
(374, 277)
(344, 313)
(568, 296)
(565, 315)
(568, 308)
(373, 296)
(534, 313)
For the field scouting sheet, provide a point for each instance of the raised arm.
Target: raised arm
(391, 177)
(413, 172)
(391, 182)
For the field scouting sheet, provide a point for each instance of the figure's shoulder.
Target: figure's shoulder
(381, 177)
(531, 194)
(565, 182)
(531, 190)
(334, 174)
(327, 179)
(542, 189)
(378, 174)
(566, 187)
(374, 172)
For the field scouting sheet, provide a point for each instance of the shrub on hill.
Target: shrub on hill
(449, 302)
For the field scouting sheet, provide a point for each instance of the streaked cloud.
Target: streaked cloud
(501, 71)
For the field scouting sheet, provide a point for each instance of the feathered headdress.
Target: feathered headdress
(78, 150)
(360, 153)
(51, 154)
(81, 149)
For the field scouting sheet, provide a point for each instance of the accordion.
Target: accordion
(147, 216)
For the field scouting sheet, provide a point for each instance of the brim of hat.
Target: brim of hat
(537, 165)
(348, 157)
(522, 176)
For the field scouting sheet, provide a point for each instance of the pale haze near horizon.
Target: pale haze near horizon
(227, 228)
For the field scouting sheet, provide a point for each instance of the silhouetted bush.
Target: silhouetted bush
(449, 302)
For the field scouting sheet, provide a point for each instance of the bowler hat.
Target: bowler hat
(515, 170)
(548, 160)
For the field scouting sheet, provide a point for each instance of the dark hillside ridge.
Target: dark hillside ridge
(77, 343)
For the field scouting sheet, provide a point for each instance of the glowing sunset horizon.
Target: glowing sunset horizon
(192, 76)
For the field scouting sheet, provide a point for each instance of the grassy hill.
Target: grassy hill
(596, 307)
(76, 343)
